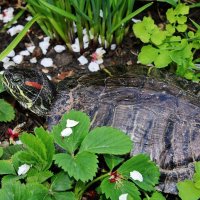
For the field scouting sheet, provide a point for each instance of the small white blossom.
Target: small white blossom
(46, 62)
(24, 53)
(97, 56)
(59, 48)
(123, 196)
(33, 60)
(18, 59)
(71, 123)
(83, 60)
(15, 29)
(11, 54)
(23, 169)
(137, 176)
(66, 132)
(94, 67)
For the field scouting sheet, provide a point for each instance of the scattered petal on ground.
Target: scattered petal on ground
(31, 49)
(33, 60)
(83, 60)
(97, 56)
(113, 46)
(76, 46)
(23, 169)
(8, 14)
(15, 29)
(29, 18)
(46, 62)
(59, 48)
(93, 67)
(18, 59)
(44, 45)
(24, 53)
(137, 176)
(8, 64)
(136, 20)
(11, 54)
(66, 132)
(6, 59)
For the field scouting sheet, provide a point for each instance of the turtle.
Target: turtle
(160, 111)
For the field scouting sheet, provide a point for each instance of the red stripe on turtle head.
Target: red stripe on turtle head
(33, 84)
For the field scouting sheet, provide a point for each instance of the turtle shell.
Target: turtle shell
(160, 113)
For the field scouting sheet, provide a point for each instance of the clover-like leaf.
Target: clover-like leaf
(147, 54)
(158, 36)
(163, 59)
(82, 167)
(171, 15)
(7, 112)
(181, 28)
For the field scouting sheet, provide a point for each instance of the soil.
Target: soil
(66, 63)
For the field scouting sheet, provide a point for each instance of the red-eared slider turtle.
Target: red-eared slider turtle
(161, 114)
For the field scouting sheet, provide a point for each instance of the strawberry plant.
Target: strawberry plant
(39, 169)
(170, 46)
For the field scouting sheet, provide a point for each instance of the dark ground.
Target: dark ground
(66, 64)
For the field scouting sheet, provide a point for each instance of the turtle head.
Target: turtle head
(32, 89)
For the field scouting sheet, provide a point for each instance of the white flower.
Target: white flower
(66, 132)
(123, 196)
(71, 123)
(94, 67)
(137, 176)
(46, 62)
(15, 29)
(18, 59)
(83, 60)
(59, 48)
(23, 169)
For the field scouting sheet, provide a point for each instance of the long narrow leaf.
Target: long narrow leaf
(19, 37)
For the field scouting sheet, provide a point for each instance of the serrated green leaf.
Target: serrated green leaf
(82, 167)
(61, 182)
(6, 167)
(170, 14)
(163, 59)
(11, 150)
(34, 145)
(72, 142)
(7, 112)
(107, 140)
(114, 190)
(187, 189)
(142, 164)
(112, 161)
(157, 196)
(64, 196)
(182, 9)
(48, 142)
(39, 177)
(147, 54)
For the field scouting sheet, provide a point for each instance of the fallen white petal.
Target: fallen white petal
(11, 54)
(71, 123)
(29, 18)
(83, 60)
(76, 46)
(99, 61)
(99, 39)
(100, 51)
(23, 169)
(8, 14)
(137, 176)
(8, 64)
(113, 46)
(84, 31)
(101, 13)
(18, 59)
(46, 39)
(33, 60)
(15, 29)
(31, 49)
(59, 48)
(123, 196)
(46, 62)
(24, 53)
(44, 45)
(93, 67)
(135, 20)
(6, 59)
(1, 17)
(66, 132)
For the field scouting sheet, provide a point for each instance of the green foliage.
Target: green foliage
(76, 165)
(7, 112)
(190, 188)
(169, 46)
